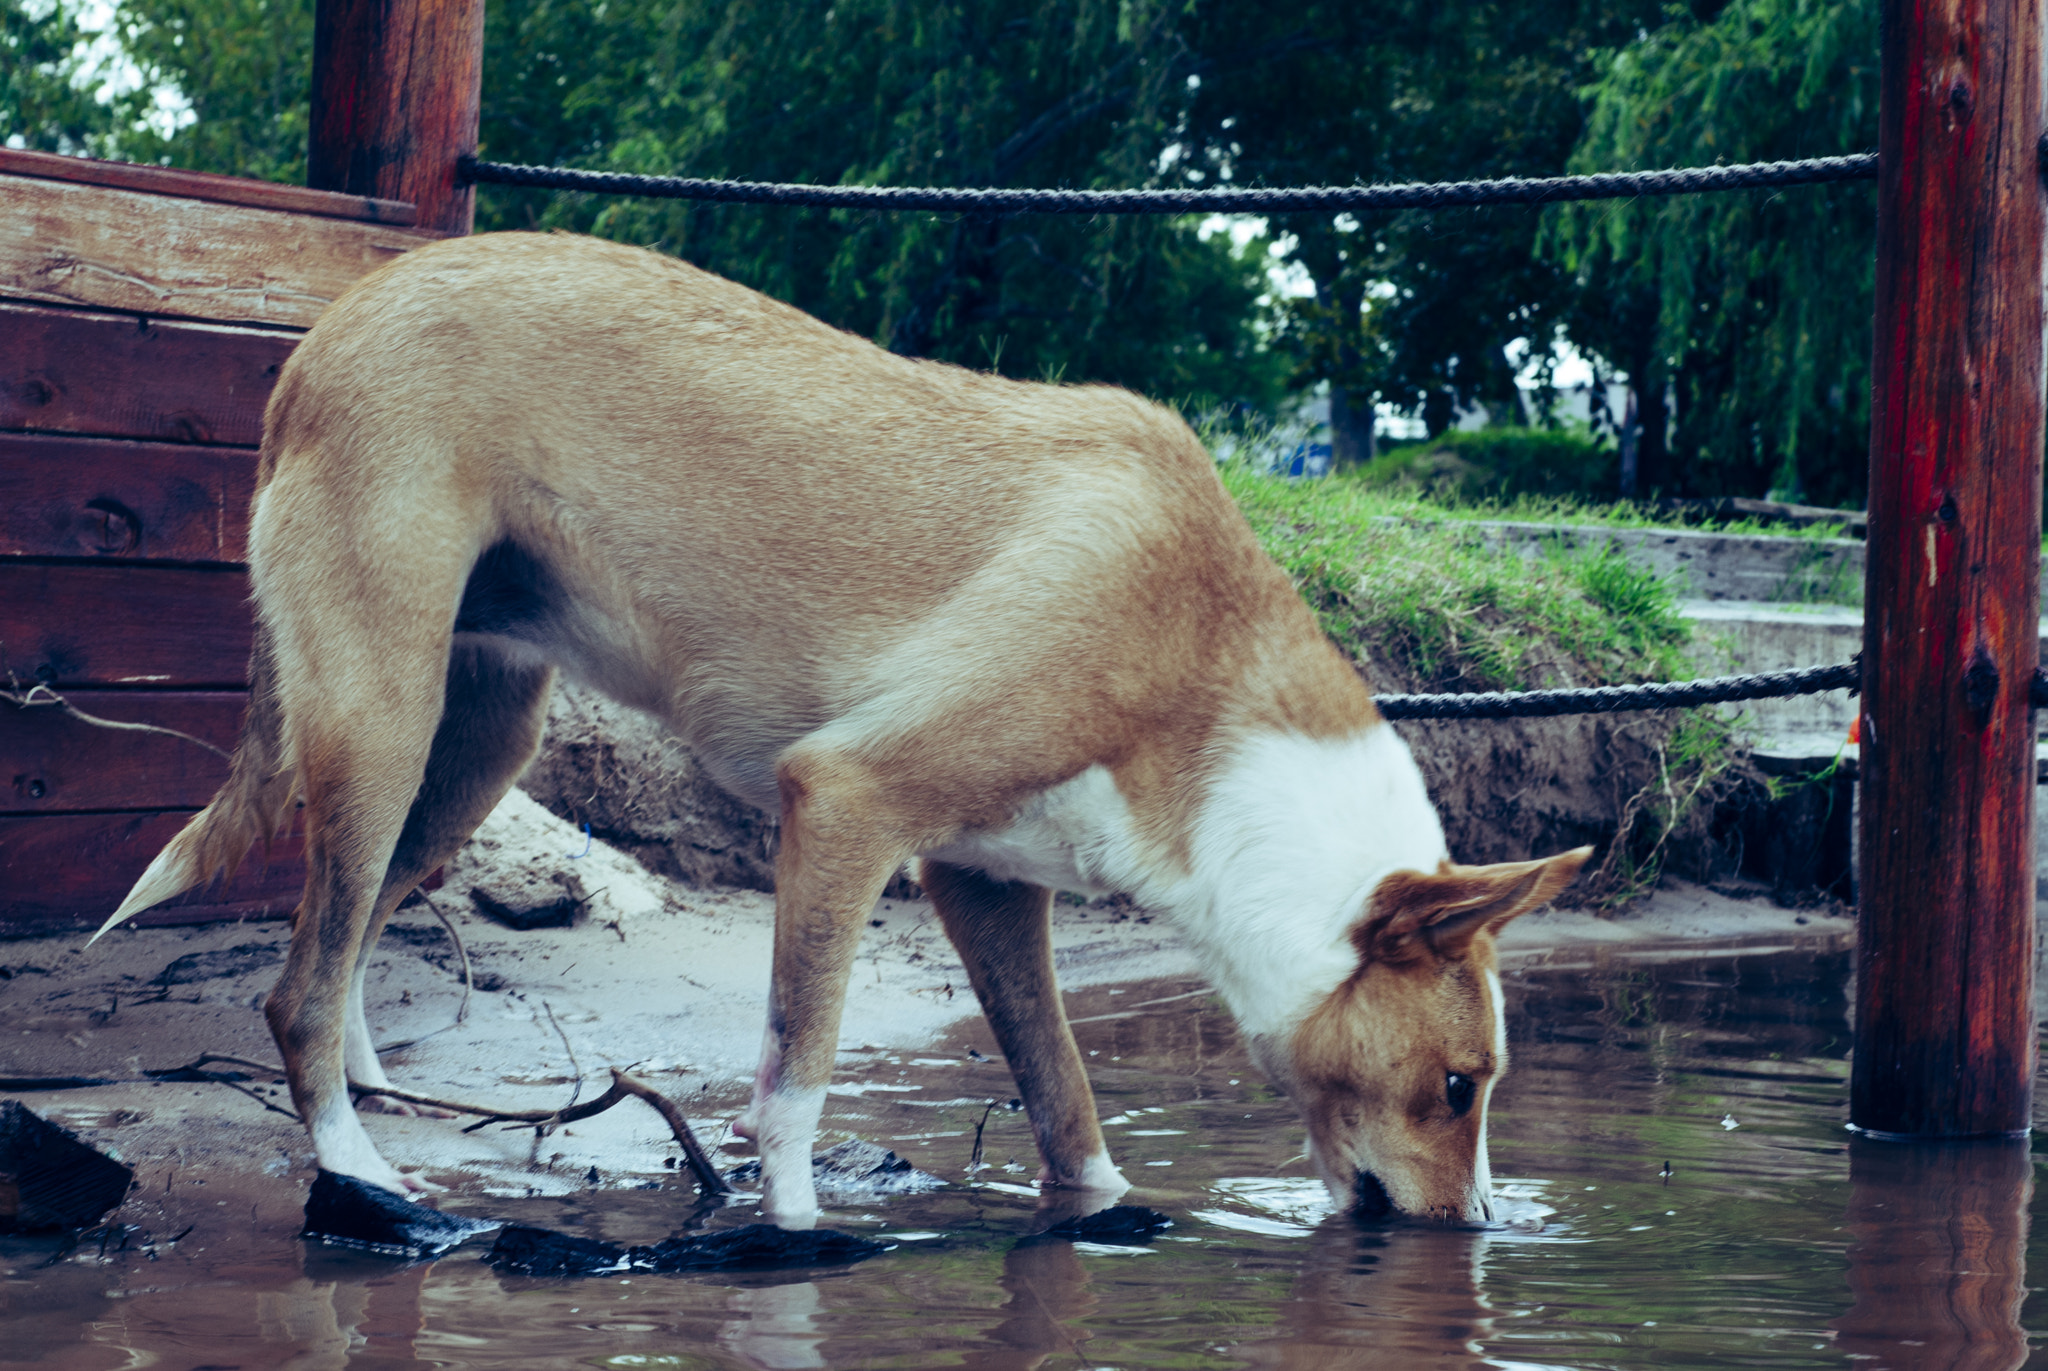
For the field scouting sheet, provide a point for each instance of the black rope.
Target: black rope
(1608, 185)
(1544, 704)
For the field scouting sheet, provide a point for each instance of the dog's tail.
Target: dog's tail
(253, 804)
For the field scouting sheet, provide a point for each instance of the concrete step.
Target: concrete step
(1709, 566)
(1807, 736)
(1735, 637)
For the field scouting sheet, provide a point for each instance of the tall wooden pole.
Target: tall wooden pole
(1944, 1004)
(396, 94)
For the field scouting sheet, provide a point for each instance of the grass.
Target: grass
(1415, 590)
(1451, 609)
(1407, 502)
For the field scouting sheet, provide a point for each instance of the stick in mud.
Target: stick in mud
(701, 1168)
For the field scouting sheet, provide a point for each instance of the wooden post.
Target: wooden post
(1944, 1004)
(396, 92)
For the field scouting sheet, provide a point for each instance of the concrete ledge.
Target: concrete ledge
(1710, 566)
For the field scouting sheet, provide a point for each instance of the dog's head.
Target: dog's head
(1393, 1069)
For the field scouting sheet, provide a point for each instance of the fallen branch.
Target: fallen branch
(623, 1086)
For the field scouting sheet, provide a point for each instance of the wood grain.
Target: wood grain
(63, 243)
(69, 871)
(1944, 1007)
(54, 763)
(67, 624)
(123, 501)
(206, 185)
(120, 376)
(397, 90)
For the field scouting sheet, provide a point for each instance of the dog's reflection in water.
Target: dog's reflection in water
(1366, 1297)
(775, 1327)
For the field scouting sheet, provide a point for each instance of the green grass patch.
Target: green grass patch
(1453, 609)
(1418, 593)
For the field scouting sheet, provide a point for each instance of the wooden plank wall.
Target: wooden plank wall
(144, 315)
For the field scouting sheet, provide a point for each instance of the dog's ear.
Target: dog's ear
(1415, 915)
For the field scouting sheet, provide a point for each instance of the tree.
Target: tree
(42, 107)
(1415, 308)
(960, 92)
(244, 66)
(1754, 307)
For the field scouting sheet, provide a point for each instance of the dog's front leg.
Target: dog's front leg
(838, 852)
(1003, 933)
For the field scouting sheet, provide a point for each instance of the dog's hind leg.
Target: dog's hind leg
(1003, 932)
(840, 845)
(491, 720)
(361, 677)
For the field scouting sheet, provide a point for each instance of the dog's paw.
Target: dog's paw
(385, 1176)
(412, 1183)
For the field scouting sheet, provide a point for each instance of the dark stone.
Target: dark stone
(559, 913)
(345, 1212)
(756, 1247)
(855, 1168)
(49, 1180)
(1123, 1223)
(544, 1252)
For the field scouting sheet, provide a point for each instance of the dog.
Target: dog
(1016, 631)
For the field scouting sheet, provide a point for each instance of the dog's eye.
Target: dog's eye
(1460, 1091)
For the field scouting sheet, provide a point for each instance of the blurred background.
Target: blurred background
(1698, 346)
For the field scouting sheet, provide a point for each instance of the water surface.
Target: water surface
(1678, 1191)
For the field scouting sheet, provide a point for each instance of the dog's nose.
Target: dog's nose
(1369, 1198)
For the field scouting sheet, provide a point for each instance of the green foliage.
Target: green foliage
(41, 103)
(1499, 463)
(1415, 308)
(242, 65)
(970, 92)
(1754, 307)
(245, 66)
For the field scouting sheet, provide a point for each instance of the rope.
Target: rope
(1608, 185)
(1544, 704)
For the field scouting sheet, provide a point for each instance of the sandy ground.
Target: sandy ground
(666, 979)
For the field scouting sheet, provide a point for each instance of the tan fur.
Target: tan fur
(1374, 1057)
(894, 599)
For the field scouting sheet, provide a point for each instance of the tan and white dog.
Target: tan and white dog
(1017, 630)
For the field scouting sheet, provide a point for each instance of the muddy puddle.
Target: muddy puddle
(1678, 1190)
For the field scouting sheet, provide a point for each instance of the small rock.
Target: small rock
(1123, 1223)
(518, 900)
(342, 1211)
(544, 1252)
(756, 1247)
(49, 1180)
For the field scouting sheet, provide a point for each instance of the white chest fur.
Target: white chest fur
(1285, 850)
(1077, 836)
